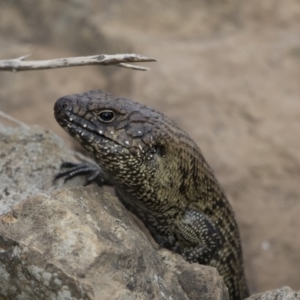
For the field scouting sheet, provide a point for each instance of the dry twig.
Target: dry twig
(121, 60)
(13, 120)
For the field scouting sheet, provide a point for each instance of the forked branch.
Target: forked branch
(121, 60)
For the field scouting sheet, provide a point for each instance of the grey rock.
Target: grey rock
(29, 158)
(284, 293)
(79, 242)
(192, 278)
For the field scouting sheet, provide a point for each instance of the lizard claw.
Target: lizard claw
(93, 171)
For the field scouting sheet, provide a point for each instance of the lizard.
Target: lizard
(159, 174)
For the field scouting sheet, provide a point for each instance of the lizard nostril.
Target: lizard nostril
(64, 106)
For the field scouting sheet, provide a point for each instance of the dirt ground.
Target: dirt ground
(228, 73)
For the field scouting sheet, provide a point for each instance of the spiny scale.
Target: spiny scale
(159, 174)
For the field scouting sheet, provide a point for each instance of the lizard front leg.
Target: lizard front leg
(93, 172)
(197, 237)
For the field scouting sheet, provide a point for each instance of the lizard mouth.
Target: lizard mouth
(80, 128)
(71, 123)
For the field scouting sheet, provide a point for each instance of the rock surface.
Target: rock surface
(79, 242)
(284, 293)
(29, 157)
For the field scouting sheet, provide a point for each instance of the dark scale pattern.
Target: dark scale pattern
(159, 174)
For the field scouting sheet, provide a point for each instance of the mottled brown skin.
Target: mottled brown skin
(159, 174)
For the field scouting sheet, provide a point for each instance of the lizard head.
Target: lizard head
(114, 130)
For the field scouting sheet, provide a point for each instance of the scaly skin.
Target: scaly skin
(159, 174)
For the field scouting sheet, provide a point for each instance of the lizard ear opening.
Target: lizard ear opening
(106, 116)
(159, 150)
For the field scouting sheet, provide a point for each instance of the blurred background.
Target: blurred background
(228, 73)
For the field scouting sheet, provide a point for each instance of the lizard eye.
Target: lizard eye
(106, 116)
